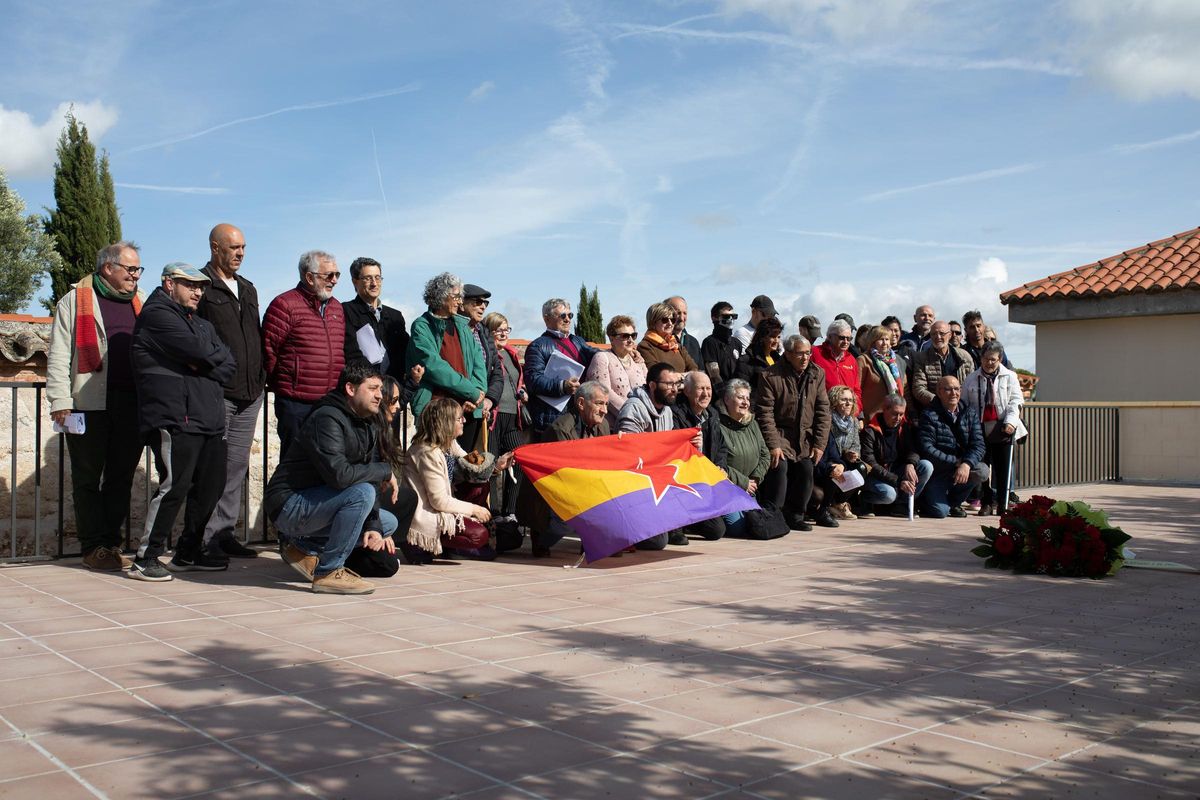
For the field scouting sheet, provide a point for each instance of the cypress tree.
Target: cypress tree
(85, 217)
(588, 322)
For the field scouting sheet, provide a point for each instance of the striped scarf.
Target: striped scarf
(87, 338)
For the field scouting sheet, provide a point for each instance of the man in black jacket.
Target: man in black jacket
(720, 351)
(474, 306)
(371, 324)
(230, 303)
(693, 409)
(952, 440)
(179, 368)
(891, 448)
(323, 495)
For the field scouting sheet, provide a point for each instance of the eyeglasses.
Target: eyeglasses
(455, 296)
(195, 286)
(327, 276)
(479, 301)
(371, 279)
(630, 336)
(843, 338)
(503, 330)
(668, 320)
(133, 271)
(566, 316)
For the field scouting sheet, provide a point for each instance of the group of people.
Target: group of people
(397, 440)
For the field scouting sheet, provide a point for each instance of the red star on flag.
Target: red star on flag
(662, 477)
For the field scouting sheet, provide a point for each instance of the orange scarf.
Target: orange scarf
(669, 345)
(87, 340)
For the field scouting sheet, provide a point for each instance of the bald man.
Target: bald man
(231, 305)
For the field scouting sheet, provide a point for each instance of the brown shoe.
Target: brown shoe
(300, 561)
(341, 581)
(108, 559)
(841, 511)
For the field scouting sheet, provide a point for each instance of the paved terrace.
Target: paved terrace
(878, 660)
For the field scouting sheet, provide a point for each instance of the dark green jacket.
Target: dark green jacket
(747, 456)
(425, 348)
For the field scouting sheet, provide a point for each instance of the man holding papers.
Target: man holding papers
(553, 364)
(375, 333)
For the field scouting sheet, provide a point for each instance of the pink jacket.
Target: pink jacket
(607, 370)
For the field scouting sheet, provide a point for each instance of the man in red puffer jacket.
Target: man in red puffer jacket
(303, 334)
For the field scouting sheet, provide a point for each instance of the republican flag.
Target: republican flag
(615, 491)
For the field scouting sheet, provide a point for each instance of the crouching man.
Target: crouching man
(951, 440)
(322, 496)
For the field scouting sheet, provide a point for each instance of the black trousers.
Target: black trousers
(289, 414)
(470, 436)
(503, 438)
(788, 486)
(103, 460)
(190, 466)
(995, 490)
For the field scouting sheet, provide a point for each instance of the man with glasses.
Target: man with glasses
(180, 368)
(231, 304)
(940, 359)
(557, 315)
(89, 374)
(304, 331)
(834, 357)
(476, 300)
(376, 334)
(720, 350)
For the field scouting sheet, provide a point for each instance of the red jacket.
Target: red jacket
(839, 373)
(303, 351)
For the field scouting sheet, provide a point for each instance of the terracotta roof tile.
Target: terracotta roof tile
(1168, 265)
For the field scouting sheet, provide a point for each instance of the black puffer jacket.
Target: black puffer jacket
(179, 368)
(710, 430)
(337, 448)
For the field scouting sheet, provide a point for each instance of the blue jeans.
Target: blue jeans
(942, 494)
(330, 521)
(735, 524)
(883, 494)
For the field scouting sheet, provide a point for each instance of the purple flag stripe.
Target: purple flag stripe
(626, 520)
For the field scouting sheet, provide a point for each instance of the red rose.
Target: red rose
(1004, 545)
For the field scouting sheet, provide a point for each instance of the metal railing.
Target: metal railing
(34, 547)
(1068, 443)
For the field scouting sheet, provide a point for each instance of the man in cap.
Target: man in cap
(231, 304)
(180, 367)
(810, 328)
(761, 307)
(88, 373)
(375, 333)
(474, 306)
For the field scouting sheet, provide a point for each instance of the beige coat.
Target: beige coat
(66, 389)
(439, 513)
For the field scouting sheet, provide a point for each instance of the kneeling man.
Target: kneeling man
(323, 495)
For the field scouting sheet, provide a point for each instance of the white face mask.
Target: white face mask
(726, 322)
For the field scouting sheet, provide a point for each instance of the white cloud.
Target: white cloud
(845, 19)
(27, 149)
(663, 184)
(1142, 48)
(148, 187)
(481, 91)
(1167, 141)
(957, 180)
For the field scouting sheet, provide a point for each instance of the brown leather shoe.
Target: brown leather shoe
(341, 581)
(300, 561)
(107, 559)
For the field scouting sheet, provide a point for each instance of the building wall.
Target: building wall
(1150, 358)
(1160, 443)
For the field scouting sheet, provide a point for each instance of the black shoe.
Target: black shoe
(897, 510)
(957, 511)
(204, 562)
(230, 546)
(508, 537)
(149, 569)
(541, 552)
(825, 519)
(677, 538)
(802, 526)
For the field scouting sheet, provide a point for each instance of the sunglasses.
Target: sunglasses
(629, 336)
(567, 316)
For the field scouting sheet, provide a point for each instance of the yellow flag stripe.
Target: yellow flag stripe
(571, 490)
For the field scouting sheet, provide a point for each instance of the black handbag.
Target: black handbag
(765, 522)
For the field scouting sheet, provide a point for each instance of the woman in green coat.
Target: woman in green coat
(747, 457)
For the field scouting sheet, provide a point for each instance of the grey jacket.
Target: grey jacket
(638, 415)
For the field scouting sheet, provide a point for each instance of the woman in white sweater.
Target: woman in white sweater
(432, 461)
(994, 393)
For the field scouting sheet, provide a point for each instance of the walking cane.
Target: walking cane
(1008, 476)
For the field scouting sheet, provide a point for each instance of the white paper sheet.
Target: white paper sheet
(371, 347)
(851, 479)
(561, 368)
(74, 423)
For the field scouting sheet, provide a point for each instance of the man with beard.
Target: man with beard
(303, 335)
(230, 303)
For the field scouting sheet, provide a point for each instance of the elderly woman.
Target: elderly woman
(621, 369)
(443, 343)
(747, 458)
(507, 430)
(842, 454)
(763, 351)
(439, 515)
(659, 344)
(994, 393)
(881, 372)
(834, 358)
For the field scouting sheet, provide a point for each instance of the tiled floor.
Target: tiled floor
(879, 660)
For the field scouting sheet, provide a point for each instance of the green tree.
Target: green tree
(588, 322)
(26, 252)
(85, 217)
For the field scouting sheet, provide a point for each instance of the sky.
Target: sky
(860, 156)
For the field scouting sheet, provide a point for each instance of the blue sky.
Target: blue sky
(839, 156)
